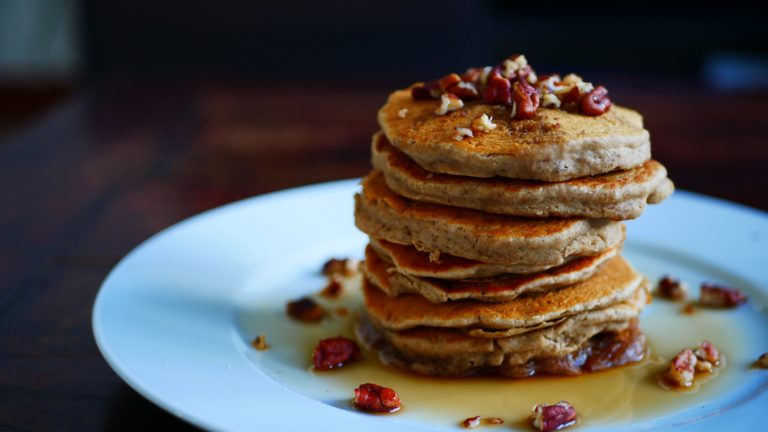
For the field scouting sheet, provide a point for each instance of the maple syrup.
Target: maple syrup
(627, 394)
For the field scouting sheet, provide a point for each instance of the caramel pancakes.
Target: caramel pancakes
(499, 249)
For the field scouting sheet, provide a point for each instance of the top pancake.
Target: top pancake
(618, 195)
(555, 145)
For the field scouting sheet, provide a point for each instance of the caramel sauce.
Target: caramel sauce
(621, 395)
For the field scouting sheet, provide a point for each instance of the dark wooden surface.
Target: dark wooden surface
(113, 165)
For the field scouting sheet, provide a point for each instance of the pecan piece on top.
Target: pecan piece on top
(375, 398)
(526, 100)
(305, 309)
(720, 296)
(672, 289)
(333, 353)
(682, 369)
(547, 418)
(596, 102)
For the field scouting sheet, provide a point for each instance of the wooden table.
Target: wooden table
(115, 164)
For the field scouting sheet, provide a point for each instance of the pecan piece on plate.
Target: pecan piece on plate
(333, 353)
(720, 296)
(471, 422)
(260, 343)
(762, 361)
(671, 288)
(682, 369)
(547, 418)
(305, 309)
(338, 266)
(375, 398)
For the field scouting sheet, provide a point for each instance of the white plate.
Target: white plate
(175, 316)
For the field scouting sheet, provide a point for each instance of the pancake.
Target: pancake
(452, 352)
(619, 195)
(411, 261)
(496, 289)
(524, 242)
(555, 145)
(615, 282)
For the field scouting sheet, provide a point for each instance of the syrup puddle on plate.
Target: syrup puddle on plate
(621, 396)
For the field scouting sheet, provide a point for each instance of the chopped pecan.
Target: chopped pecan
(448, 81)
(688, 309)
(707, 352)
(526, 99)
(344, 267)
(464, 90)
(596, 102)
(260, 343)
(463, 132)
(483, 124)
(305, 309)
(333, 288)
(550, 100)
(547, 418)
(671, 288)
(375, 398)
(682, 369)
(449, 102)
(498, 90)
(762, 361)
(471, 422)
(720, 296)
(334, 353)
(428, 90)
(493, 420)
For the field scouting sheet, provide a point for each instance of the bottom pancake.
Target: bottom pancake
(617, 344)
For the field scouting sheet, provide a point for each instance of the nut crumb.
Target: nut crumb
(471, 422)
(260, 342)
(483, 124)
(493, 420)
(402, 113)
(448, 103)
(762, 361)
(333, 288)
(549, 100)
(462, 132)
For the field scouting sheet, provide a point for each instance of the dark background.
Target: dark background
(156, 110)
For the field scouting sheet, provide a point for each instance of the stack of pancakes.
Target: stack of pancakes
(501, 251)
